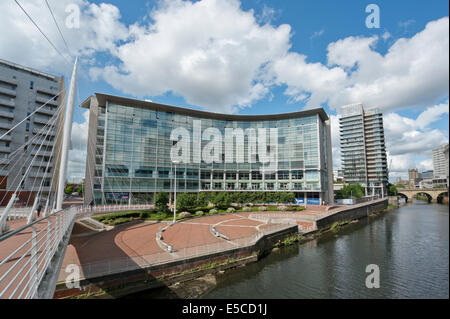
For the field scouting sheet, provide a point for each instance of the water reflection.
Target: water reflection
(410, 245)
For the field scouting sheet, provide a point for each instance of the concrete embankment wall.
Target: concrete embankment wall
(118, 285)
(352, 213)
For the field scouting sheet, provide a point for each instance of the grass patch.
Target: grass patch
(338, 225)
(288, 241)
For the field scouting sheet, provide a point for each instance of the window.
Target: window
(31, 85)
(27, 128)
(205, 175)
(256, 176)
(297, 174)
(218, 175)
(244, 176)
(283, 175)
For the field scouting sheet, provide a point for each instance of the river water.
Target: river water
(410, 245)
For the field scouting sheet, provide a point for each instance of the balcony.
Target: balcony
(41, 120)
(43, 142)
(50, 91)
(41, 153)
(7, 102)
(45, 132)
(6, 138)
(6, 126)
(41, 175)
(9, 92)
(46, 100)
(8, 80)
(46, 111)
(5, 149)
(38, 162)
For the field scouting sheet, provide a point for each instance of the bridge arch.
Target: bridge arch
(441, 196)
(429, 197)
(403, 196)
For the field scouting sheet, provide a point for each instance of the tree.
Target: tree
(202, 199)
(80, 189)
(161, 201)
(68, 190)
(185, 201)
(222, 200)
(392, 190)
(352, 190)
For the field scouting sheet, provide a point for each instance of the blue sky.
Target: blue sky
(315, 24)
(301, 54)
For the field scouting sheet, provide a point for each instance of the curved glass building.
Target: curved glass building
(134, 147)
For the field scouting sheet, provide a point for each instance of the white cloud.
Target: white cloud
(21, 42)
(409, 142)
(222, 58)
(77, 155)
(210, 52)
(413, 73)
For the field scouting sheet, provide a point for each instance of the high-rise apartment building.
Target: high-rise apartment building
(22, 91)
(440, 164)
(129, 155)
(363, 150)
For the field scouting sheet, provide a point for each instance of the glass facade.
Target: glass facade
(363, 149)
(133, 155)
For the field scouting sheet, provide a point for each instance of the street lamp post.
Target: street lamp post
(175, 193)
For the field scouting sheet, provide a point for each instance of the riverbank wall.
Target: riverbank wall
(129, 282)
(352, 213)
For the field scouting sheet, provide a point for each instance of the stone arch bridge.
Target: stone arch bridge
(431, 193)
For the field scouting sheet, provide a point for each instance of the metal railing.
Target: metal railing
(119, 265)
(112, 208)
(26, 254)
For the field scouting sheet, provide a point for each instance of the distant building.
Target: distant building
(426, 175)
(440, 164)
(338, 175)
(413, 176)
(22, 91)
(363, 148)
(426, 183)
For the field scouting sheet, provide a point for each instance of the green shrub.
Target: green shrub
(202, 199)
(231, 210)
(161, 201)
(120, 220)
(213, 211)
(199, 213)
(186, 201)
(246, 209)
(300, 208)
(222, 200)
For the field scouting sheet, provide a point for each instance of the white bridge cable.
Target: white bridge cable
(19, 160)
(30, 141)
(57, 26)
(32, 161)
(30, 115)
(52, 180)
(42, 32)
(47, 166)
(49, 125)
